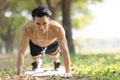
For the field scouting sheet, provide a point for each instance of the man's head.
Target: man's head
(41, 18)
(41, 11)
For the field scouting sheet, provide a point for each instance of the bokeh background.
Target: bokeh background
(92, 31)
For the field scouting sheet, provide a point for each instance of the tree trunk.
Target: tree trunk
(8, 39)
(66, 10)
(39, 2)
(0, 48)
(52, 9)
(9, 44)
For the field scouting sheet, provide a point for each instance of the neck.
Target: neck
(44, 33)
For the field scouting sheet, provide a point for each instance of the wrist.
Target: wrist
(68, 75)
(19, 73)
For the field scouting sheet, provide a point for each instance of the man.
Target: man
(45, 36)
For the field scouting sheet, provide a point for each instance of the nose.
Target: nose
(42, 27)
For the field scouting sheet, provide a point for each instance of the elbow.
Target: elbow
(64, 53)
(21, 52)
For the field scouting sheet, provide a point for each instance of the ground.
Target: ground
(84, 66)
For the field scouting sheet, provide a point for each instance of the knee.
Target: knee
(36, 57)
(55, 56)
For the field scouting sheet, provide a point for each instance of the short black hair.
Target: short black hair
(41, 11)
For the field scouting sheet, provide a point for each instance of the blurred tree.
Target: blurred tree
(1, 20)
(27, 5)
(0, 46)
(75, 6)
(82, 16)
(11, 29)
(4, 7)
(11, 17)
(53, 5)
(8, 27)
(39, 2)
(81, 13)
(66, 12)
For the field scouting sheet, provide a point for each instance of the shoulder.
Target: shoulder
(56, 26)
(55, 23)
(27, 29)
(58, 29)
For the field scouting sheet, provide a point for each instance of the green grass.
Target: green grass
(99, 66)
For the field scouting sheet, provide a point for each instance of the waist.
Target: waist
(45, 45)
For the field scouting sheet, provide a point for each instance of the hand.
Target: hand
(20, 75)
(68, 75)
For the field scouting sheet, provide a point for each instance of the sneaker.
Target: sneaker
(56, 65)
(36, 65)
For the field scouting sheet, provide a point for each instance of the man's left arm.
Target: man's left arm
(65, 54)
(64, 50)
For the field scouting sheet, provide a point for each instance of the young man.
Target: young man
(45, 36)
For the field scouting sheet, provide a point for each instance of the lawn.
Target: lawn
(98, 66)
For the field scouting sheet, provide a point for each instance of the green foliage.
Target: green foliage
(96, 1)
(18, 23)
(97, 66)
(26, 5)
(10, 26)
(80, 22)
(81, 7)
(12, 2)
(13, 26)
(81, 4)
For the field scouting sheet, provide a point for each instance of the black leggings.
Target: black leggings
(36, 50)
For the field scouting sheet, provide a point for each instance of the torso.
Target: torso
(40, 39)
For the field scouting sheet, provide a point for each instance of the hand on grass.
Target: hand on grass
(68, 75)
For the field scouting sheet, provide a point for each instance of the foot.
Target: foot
(56, 65)
(36, 65)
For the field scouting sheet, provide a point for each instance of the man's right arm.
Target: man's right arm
(24, 39)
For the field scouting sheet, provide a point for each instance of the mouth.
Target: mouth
(42, 30)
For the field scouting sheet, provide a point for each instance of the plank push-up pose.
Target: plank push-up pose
(44, 36)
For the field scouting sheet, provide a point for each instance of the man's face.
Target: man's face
(41, 23)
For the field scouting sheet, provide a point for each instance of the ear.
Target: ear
(49, 18)
(33, 19)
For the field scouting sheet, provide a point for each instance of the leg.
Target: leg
(55, 57)
(37, 62)
(36, 58)
(56, 60)
(35, 53)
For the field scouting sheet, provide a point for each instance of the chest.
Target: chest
(43, 40)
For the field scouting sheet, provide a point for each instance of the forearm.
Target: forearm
(66, 60)
(20, 63)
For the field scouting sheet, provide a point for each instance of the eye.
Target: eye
(44, 23)
(37, 23)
